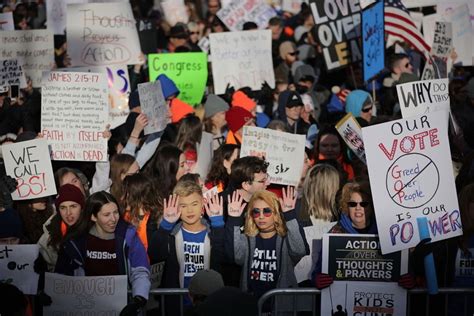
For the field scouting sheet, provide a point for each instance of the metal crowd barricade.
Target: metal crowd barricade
(168, 292)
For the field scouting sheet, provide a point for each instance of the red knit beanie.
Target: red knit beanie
(236, 117)
(69, 192)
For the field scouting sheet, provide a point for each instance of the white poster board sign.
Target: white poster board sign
(293, 6)
(237, 12)
(420, 97)
(34, 49)
(56, 14)
(154, 105)
(11, 73)
(436, 67)
(175, 11)
(284, 152)
(99, 295)
(74, 114)
(16, 267)
(6, 21)
(351, 133)
(204, 155)
(29, 163)
(411, 177)
(102, 34)
(242, 59)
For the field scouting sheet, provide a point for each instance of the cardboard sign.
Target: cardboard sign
(436, 67)
(175, 11)
(373, 40)
(6, 22)
(154, 105)
(358, 258)
(411, 177)
(99, 295)
(237, 12)
(293, 6)
(187, 70)
(16, 267)
(420, 97)
(11, 73)
(34, 49)
(242, 59)
(363, 298)
(74, 114)
(29, 163)
(118, 82)
(338, 29)
(102, 34)
(284, 152)
(351, 133)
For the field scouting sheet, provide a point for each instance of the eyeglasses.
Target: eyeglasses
(267, 212)
(264, 180)
(294, 53)
(367, 109)
(193, 33)
(354, 204)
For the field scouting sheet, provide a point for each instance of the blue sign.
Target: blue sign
(373, 45)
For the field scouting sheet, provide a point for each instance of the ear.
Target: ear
(246, 185)
(93, 218)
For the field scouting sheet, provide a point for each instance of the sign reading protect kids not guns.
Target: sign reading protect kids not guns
(29, 163)
(411, 176)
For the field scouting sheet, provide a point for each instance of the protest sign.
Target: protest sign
(6, 21)
(74, 114)
(373, 40)
(242, 59)
(154, 105)
(313, 234)
(29, 163)
(16, 267)
(204, 155)
(351, 133)
(147, 35)
(284, 152)
(187, 70)
(56, 14)
(237, 12)
(363, 298)
(350, 257)
(102, 34)
(118, 82)
(175, 11)
(34, 49)
(338, 28)
(436, 66)
(420, 97)
(409, 161)
(156, 274)
(11, 73)
(464, 266)
(98, 295)
(293, 6)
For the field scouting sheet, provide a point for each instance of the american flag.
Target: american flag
(398, 22)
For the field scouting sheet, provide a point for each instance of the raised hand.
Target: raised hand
(170, 209)
(214, 206)
(107, 134)
(140, 123)
(236, 204)
(288, 201)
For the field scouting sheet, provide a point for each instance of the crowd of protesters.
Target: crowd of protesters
(145, 205)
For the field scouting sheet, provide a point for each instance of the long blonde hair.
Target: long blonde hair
(271, 199)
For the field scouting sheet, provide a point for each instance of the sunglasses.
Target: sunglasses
(267, 212)
(264, 180)
(193, 33)
(294, 53)
(366, 109)
(354, 204)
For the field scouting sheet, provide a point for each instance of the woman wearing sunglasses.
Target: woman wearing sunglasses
(361, 105)
(271, 244)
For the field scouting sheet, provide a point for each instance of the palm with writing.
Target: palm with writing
(170, 209)
(288, 201)
(236, 204)
(214, 206)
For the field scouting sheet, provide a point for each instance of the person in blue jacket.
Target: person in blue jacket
(107, 245)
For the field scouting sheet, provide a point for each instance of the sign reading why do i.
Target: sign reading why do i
(101, 34)
(411, 176)
(101, 295)
(74, 114)
(16, 267)
(29, 163)
(237, 12)
(187, 70)
(338, 29)
(242, 59)
(278, 148)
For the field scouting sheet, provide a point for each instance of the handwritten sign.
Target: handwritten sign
(34, 49)
(118, 82)
(338, 29)
(6, 22)
(420, 97)
(463, 32)
(16, 267)
(351, 133)
(102, 34)
(187, 70)
(204, 155)
(74, 113)
(56, 13)
(175, 11)
(411, 176)
(284, 152)
(373, 44)
(154, 105)
(11, 73)
(436, 67)
(242, 59)
(29, 163)
(99, 295)
(293, 6)
(237, 12)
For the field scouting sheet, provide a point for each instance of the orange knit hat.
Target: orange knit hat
(179, 109)
(241, 99)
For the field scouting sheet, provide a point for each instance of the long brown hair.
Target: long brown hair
(119, 166)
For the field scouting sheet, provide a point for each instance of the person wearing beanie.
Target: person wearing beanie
(290, 106)
(239, 98)
(360, 104)
(214, 119)
(179, 110)
(11, 231)
(289, 55)
(204, 283)
(237, 117)
(69, 204)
